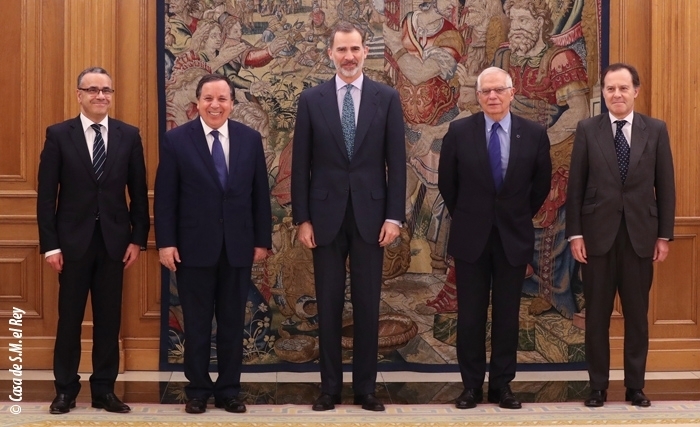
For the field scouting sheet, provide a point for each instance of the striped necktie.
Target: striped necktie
(98, 152)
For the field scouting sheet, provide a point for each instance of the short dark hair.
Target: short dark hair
(208, 78)
(621, 66)
(95, 70)
(346, 27)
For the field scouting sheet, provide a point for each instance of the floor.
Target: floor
(278, 388)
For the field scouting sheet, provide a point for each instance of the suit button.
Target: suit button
(221, 220)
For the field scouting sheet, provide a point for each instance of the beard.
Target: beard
(522, 41)
(345, 72)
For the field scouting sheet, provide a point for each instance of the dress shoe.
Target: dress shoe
(504, 397)
(596, 399)
(231, 404)
(326, 402)
(469, 398)
(110, 403)
(637, 398)
(62, 404)
(196, 405)
(369, 402)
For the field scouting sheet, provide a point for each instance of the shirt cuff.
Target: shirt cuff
(53, 252)
(575, 237)
(395, 222)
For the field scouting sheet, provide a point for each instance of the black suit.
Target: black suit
(69, 200)
(620, 224)
(491, 237)
(347, 202)
(215, 230)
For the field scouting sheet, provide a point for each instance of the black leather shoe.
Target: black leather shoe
(110, 403)
(62, 404)
(231, 404)
(326, 402)
(369, 402)
(196, 405)
(469, 398)
(504, 397)
(637, 398)
(596, 399)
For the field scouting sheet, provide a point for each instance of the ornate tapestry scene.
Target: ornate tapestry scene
(431, 52)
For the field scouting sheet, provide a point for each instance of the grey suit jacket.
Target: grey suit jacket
(596, 198)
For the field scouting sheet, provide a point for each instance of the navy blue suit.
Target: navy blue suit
(347, 202)
(215, 230)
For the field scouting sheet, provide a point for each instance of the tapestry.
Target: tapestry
(431, 52)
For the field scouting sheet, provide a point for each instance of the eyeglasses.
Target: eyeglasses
(93, 91)
(498, 90)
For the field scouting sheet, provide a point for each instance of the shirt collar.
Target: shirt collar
(87, 122)
(504, 122)
(223, 130)
(628, 118)
(340, 83)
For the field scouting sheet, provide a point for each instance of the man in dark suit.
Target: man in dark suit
(212, 220)
(494, 174)
(348, 185)
(620, 211)
(89, 234)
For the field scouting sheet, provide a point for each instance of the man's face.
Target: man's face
(214, 40)
(445, 7)
(619, 93)
(94, 107)
(524, 31)
(348, 55)
(493, 104)
(177, 6)
(215, 103)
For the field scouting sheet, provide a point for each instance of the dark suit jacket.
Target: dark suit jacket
(596, 197)
(376, 176)
(195, 214)
(466, 184)
(69, 196)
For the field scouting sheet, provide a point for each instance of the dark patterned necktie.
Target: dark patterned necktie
(622, 149)
(495, 156)
(347, 120)
(98, 152)
(217, 154)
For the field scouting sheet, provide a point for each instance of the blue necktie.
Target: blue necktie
(495, 156)
(217, 153)
(98, 152)
(347, 120)
(622, 149)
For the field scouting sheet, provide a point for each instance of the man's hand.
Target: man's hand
(259, 254)
(168, 257)
(55, 261)
(578, 250)
(305, 235)
(388, 233)
(132, 252)
(660, 250)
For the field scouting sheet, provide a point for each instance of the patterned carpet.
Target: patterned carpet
(571, 414)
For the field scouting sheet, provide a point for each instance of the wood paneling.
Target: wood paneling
(57, 39)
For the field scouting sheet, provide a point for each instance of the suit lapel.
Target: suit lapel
(114, 144)
(80, 144)
(480, 148)
(606, 144)
(234, 150)
(199, 141)
(638, 143)
(515, 150)
(329, 108)
(368, 108)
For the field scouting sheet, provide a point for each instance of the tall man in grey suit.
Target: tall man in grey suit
(620, 210)
(213, 220)
(90, 234)
(494, 174)
(348, 185)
